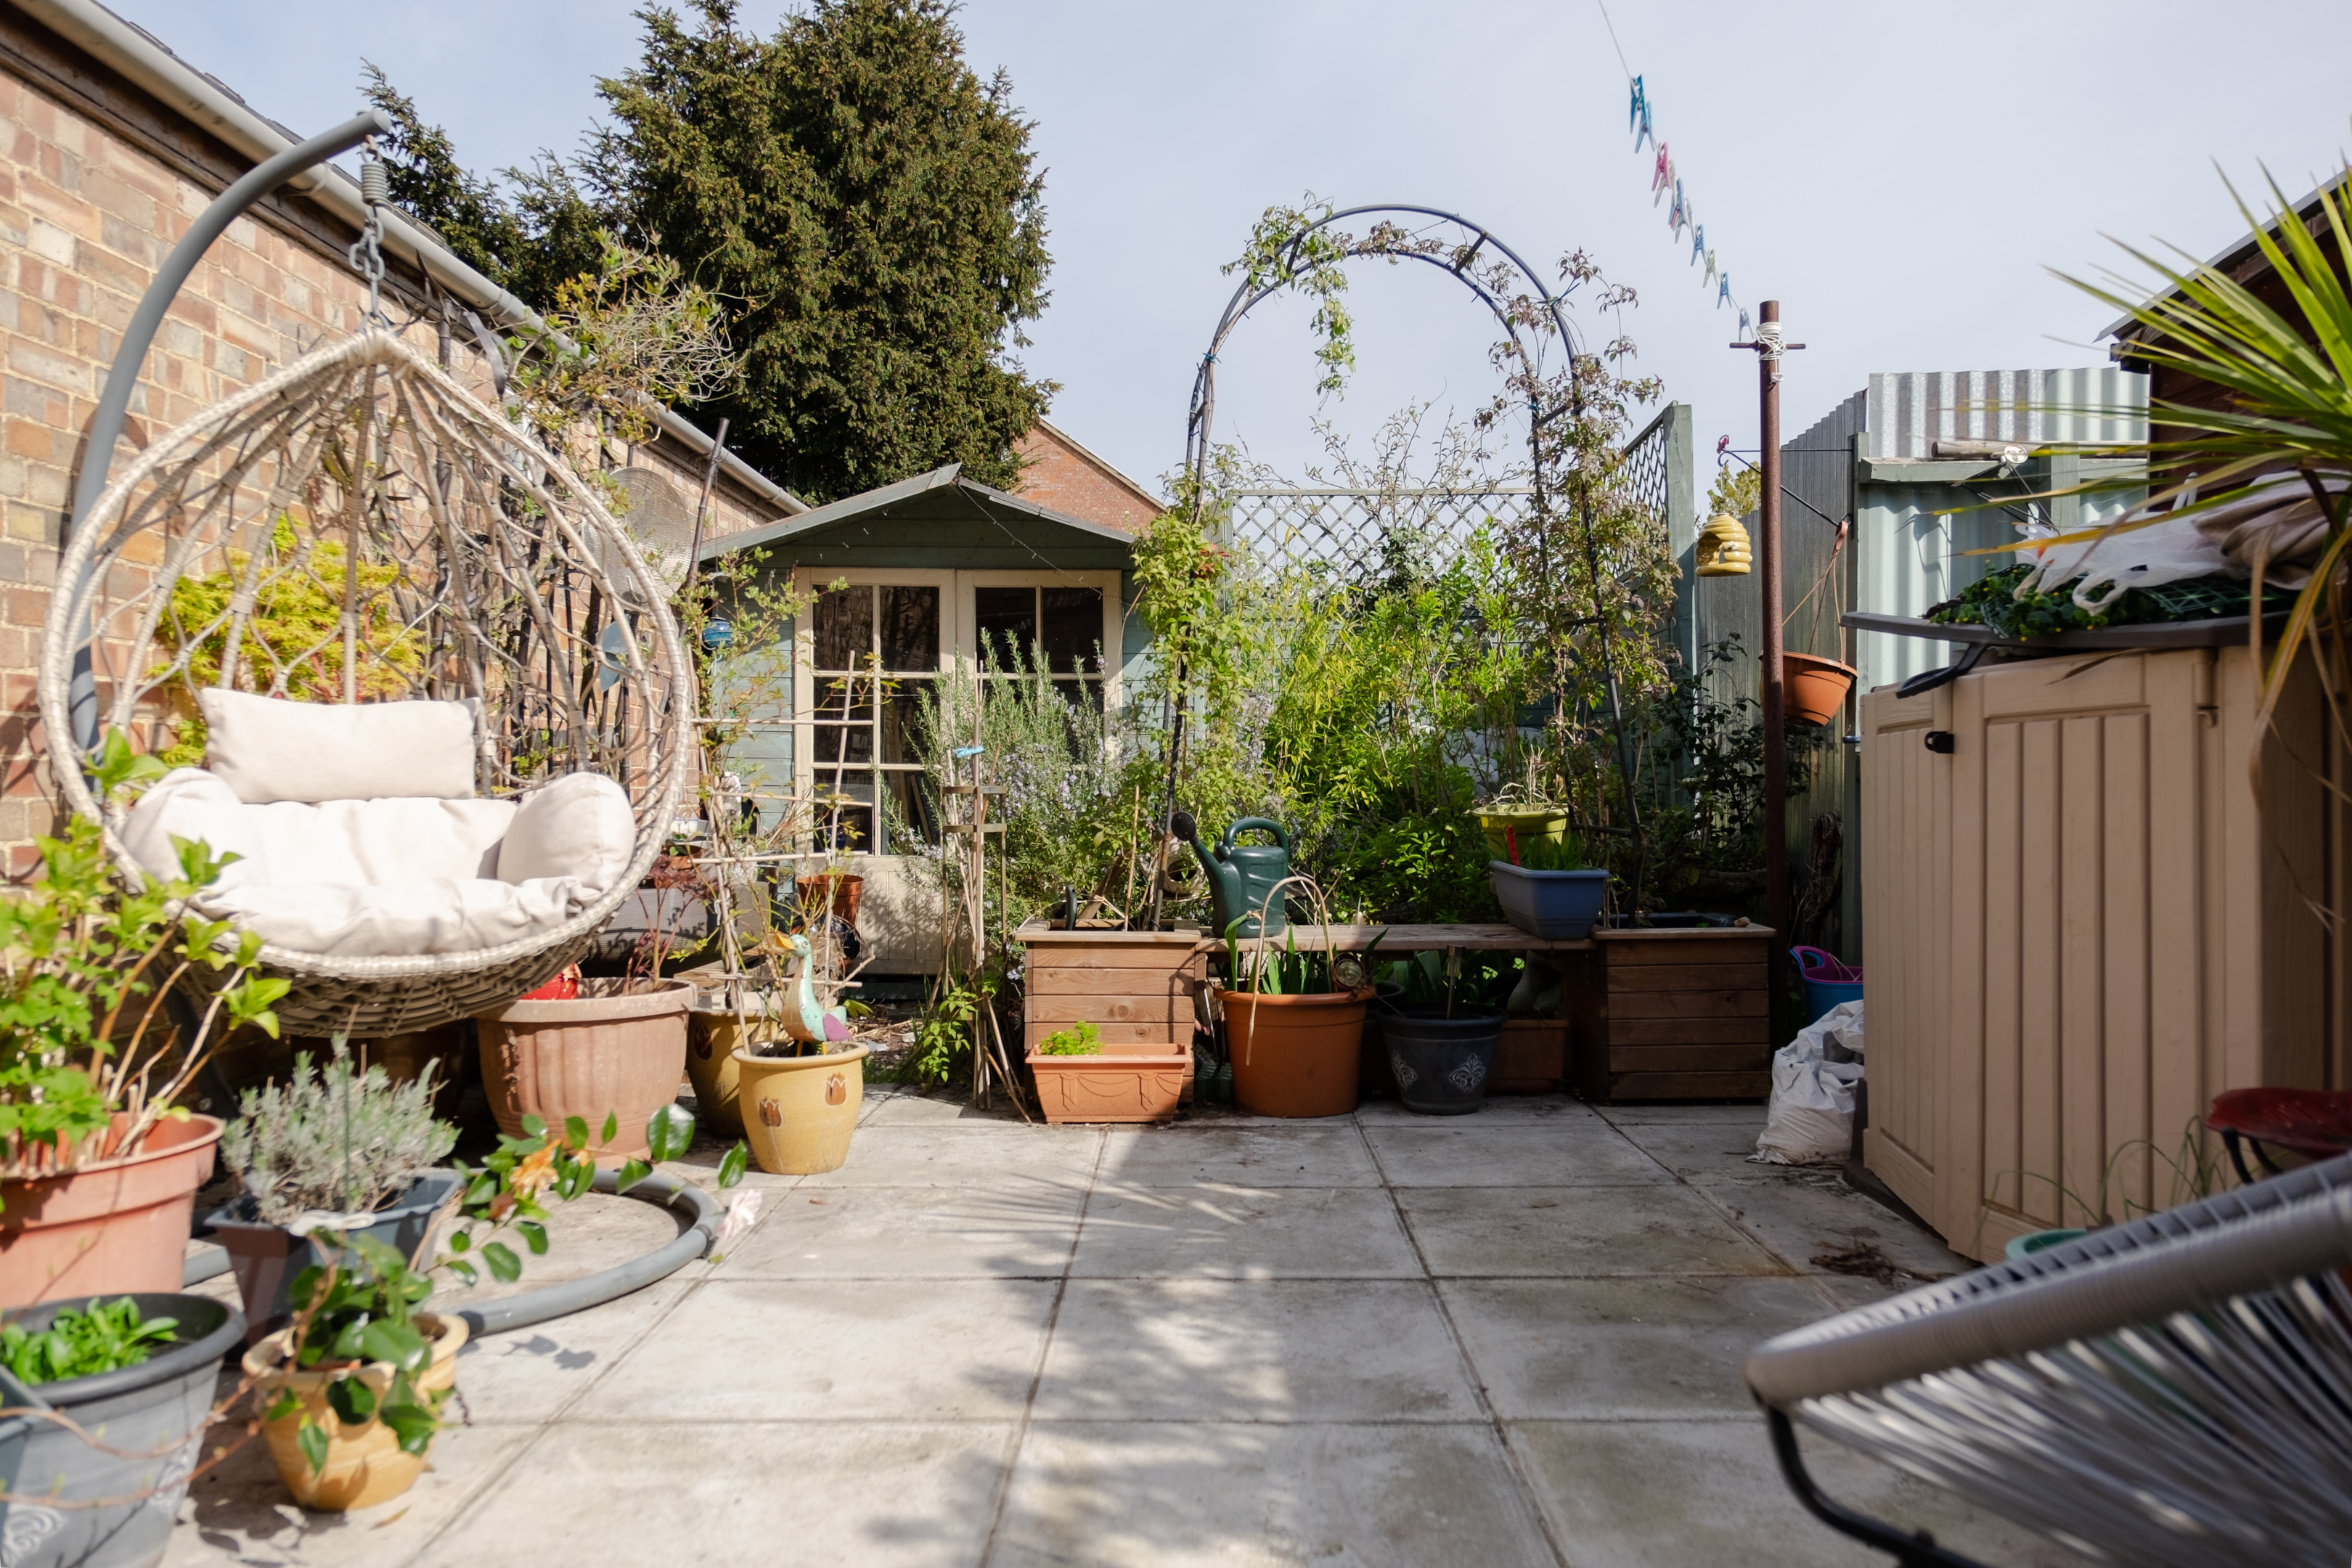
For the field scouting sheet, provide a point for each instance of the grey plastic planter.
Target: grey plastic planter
(266, 1258)
(1442, 1064)
(1558, 906)
(159, 1407)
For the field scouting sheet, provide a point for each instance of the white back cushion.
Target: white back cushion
(269, 749)
(191, 803)
(580, 826)
(357, 843)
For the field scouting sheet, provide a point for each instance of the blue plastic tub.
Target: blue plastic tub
(1558, 906)
(1827, 981)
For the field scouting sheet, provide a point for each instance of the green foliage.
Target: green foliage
(334, 1138)
(358, 1309)
(1737, 491)
(107, 1336)
(1083, 1040)
(83, 963)
(1993, 601)
(1566, 853)
(1453, 979)
(292, 634)
(947, 1033)
(872, 210)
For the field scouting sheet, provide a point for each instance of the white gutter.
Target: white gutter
(146, 63)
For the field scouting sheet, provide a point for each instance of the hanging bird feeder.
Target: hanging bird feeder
(1723, 549)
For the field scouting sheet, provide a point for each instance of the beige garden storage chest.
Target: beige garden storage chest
(2081, 929)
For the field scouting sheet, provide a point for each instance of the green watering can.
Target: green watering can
(1241, 876)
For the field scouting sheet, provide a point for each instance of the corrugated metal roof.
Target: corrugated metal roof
(1910, 413)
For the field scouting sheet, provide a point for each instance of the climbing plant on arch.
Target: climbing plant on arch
(1595, 577)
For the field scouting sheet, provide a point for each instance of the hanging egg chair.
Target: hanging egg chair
(439, 701)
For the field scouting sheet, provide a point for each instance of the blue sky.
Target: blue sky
(1898, 175)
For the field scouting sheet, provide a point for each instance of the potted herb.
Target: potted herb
(1079, 1080)
(351, 1390)
(1442, 1037)
(138, 1369)
(99, 1161)
(334, 1150)
(1294, 1021)
(1546, 888)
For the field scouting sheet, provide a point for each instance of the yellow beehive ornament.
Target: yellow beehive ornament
(1723, 547)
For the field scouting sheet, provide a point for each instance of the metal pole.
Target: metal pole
(702, 507)
(1775, 750)
(130, 353)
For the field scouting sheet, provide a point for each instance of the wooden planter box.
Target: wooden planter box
(1675, 1015)
(1532, 1058)
(1135, 987)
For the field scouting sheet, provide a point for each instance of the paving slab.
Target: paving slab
(1808, 1213)
(1258, 1349)
(888, 1107)
(1242, 1233)
(879, 1494)
(912, 1350)
(533, 1373)
(1021, 1227)
(1700, 1494)
(1112, 1495)
(1563, 1153)
(241, 1513)
(1741, 1113)
(584, 1236)
(1576, 1232)
(1256, 1155)
(957, 1154)
(1622, 1349)
(1497, 1107)
(1702, 1151)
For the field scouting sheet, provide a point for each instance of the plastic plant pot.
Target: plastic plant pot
(366, 1463)
(1122, 1083)
(114, 1227)
(1558, 906)
(1827, 981)
(1814, 687)
(1442, 1064)
(2033, 1241)
(1502, 824)
(155, 1411)
(614, 1050)
(266, 1257)
(1293, 1056)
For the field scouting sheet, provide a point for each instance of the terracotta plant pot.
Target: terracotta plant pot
(712, 1038)
(846, 891)
(1295, 1056)
(799, 1111)
(117, 1227)
(1813, 689)
(364, 1463)
(611, 1051)
(1120, 1083)
(153, 1417)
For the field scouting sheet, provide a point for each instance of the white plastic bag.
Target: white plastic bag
(1811, 1119)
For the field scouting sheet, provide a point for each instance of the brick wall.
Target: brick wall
(1058, 473)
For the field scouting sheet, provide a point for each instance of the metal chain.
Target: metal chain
(367, 251)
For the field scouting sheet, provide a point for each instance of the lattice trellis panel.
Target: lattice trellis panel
(1357, 537)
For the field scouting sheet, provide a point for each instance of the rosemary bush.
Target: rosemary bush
(334, 1138)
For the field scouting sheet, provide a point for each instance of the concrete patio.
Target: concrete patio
(1384, 1339)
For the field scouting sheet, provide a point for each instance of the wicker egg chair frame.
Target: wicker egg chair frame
(360, 527)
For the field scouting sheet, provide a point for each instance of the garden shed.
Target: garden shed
(905, 584)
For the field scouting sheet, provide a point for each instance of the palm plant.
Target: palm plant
(2285, 415)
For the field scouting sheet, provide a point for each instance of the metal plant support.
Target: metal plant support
(1454, 261)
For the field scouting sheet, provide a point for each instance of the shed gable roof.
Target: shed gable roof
(938, 512)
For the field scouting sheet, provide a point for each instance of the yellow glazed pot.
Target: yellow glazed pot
(364, 1463)
(799, 1111)
(713, 1037)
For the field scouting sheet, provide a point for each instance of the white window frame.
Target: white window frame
(958, 638)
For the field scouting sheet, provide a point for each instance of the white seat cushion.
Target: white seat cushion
(267, 749)
(396, 876)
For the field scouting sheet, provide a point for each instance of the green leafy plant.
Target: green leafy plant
(359, 1309)
(1085, 1040)
(335, 1138)
(85, 963)
(105, 1336)
(1538, 853)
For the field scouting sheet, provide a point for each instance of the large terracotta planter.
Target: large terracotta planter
(117, 1227)
(799, 1111)
(848, 889)
(607, 1052)
(1125, 1083)
(1813, 689)
(1295, 1056)
(364, 1463)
